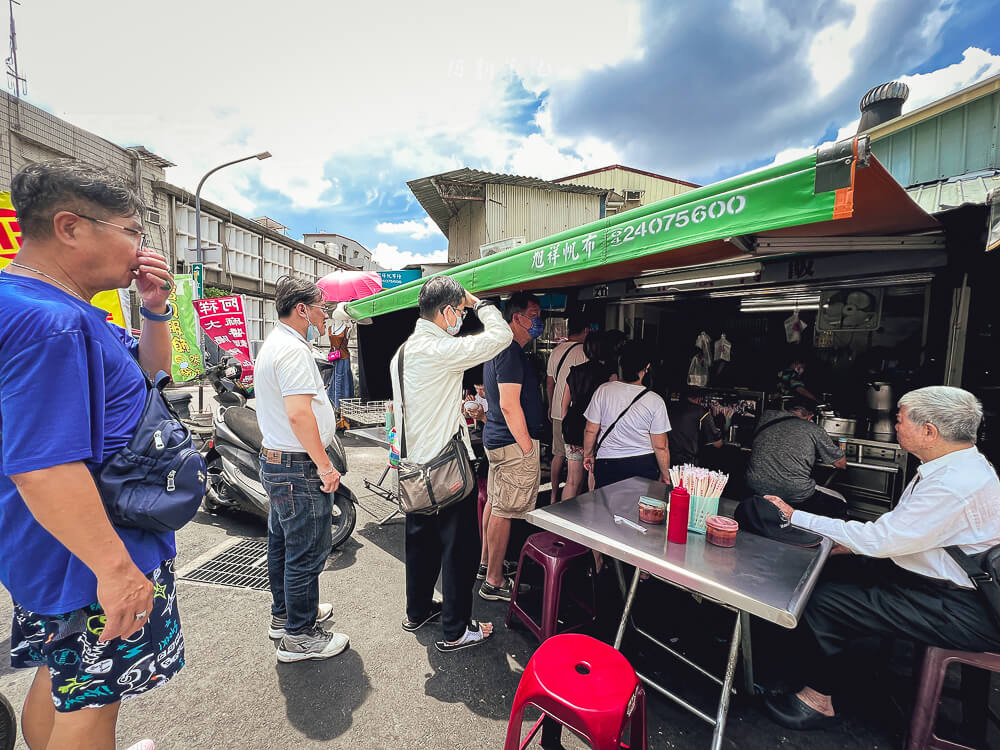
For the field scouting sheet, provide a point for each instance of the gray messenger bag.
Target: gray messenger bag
(430, 487)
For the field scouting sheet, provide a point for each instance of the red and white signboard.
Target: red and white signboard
(223, 321)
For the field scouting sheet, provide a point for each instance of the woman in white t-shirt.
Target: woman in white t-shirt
(636, 445)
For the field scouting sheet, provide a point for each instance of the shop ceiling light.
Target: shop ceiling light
(699, 276)
(777, 308)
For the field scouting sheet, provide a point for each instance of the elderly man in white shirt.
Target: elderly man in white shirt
(903, 583)
(447, 543)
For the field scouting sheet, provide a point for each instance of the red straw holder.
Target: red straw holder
(677, 520)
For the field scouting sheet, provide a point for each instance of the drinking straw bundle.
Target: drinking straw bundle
(699, 481)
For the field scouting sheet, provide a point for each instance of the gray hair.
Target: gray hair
(40, 191)
(437, 293)
(955, 412)
(290, 291)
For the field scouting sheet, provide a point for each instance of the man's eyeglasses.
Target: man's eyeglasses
(461, 313)
(143, 237)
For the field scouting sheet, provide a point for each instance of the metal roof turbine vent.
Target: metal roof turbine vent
(882, 103)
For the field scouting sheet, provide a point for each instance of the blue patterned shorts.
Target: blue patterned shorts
(88, 674)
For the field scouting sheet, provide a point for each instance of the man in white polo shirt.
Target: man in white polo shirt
(297, 421)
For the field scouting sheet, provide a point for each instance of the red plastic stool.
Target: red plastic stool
(586, 685)
(925, 706)
(555, 555)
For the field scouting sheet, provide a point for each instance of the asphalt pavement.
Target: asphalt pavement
(392, 688)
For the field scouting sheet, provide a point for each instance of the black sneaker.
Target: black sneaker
(492, 593)
(509, 569)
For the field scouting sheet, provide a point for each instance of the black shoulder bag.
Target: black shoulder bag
(444, 480)
(607, 432)
(984, 571)
(157, 481)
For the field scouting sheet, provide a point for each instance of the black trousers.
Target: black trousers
(446, 543)
(610, 470)
(860, 597)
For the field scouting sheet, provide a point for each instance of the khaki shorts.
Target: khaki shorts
(512, 483)
(558, 446)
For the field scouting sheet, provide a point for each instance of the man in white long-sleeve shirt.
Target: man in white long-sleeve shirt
(434, 360)
(903, 583)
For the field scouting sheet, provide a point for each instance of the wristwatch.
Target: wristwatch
(480, 305)
(168, 315)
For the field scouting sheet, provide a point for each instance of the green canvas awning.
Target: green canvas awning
(839, 190)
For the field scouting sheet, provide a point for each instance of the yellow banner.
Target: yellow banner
(115, 302)
(10, 230)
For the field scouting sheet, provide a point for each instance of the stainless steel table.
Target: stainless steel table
(758, 576)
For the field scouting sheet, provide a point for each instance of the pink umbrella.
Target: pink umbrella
(344, 286)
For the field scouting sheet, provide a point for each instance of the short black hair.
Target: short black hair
(437, 293)
(41, 190)
(519, 303)
(290, 291)
(578, 322)
(634, 357)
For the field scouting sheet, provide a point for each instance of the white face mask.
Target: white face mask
(452, 330)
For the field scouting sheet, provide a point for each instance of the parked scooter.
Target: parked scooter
(232, 458)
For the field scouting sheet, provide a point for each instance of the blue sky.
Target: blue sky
(354, 101)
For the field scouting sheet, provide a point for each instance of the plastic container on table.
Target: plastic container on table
(721, 531)
(651, 510)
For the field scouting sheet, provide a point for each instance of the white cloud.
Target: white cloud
(831, 54)
(318, 84)
(976, 65)
(416, 230)
(391, 258)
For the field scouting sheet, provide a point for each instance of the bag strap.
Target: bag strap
(624, 411)
(972, 568)
(563, 360)
(402, 400)
(772, 423)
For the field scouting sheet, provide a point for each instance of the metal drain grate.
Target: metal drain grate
(244, 565)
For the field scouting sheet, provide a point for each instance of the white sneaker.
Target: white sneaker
(143, 745)
(277, 627)
(315, 643)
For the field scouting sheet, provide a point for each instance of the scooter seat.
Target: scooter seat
(243, 422)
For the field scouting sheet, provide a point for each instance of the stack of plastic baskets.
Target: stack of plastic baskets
(701, 508)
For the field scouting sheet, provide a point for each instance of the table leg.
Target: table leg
(747, 653)
(629, 601)
(727, 683)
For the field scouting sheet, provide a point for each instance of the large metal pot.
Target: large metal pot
(879, 396)
(839, 426)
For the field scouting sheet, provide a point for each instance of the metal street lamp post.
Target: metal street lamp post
(201, 253)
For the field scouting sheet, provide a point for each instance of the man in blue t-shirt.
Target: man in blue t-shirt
(510, 436)
(94, 608)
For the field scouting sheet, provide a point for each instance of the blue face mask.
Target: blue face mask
(537, 326)
(312, 333)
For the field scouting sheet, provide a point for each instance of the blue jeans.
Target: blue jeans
(298, 538)
(342, 383)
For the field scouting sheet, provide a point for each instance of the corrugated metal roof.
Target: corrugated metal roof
(426, 192)
(945, 195)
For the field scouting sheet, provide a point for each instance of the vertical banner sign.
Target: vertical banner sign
(223, 321)
(10, 230)
(185, 357)
(198, 274)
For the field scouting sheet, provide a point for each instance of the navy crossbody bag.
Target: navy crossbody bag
(157, 481)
